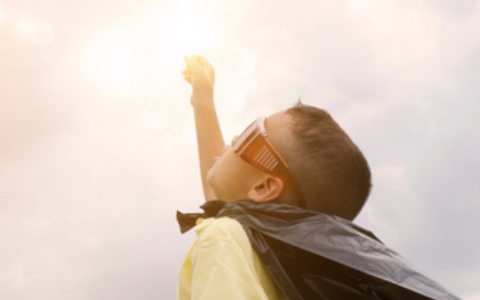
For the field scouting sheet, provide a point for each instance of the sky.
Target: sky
(97, 140)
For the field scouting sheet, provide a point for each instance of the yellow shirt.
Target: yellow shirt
(221, 264)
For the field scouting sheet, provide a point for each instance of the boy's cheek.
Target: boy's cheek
(215, 175)
(221, 175)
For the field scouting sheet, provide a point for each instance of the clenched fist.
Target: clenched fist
(201, 76)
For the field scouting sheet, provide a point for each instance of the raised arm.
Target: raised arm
(201, 76)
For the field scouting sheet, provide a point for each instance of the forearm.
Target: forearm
(209, 137)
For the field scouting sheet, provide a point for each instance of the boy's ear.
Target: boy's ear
(268, 189)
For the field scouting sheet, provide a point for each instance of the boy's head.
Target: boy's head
(331, 171)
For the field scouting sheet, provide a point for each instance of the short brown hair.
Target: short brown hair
(332, 171)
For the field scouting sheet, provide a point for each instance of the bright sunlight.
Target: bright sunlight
(187, 28)
(113, 57)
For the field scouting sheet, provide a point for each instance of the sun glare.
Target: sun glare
(187, 28)
(113, 57)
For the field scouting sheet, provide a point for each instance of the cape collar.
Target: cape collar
(187, 221)
(218, 208)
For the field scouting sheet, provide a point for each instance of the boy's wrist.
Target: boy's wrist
(201, 100)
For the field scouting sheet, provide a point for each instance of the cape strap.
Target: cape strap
(189, 220)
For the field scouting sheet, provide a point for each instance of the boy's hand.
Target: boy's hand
(201, 76)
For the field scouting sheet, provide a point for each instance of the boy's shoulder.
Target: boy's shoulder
(221, 229)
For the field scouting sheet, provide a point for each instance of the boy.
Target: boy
(299, 157)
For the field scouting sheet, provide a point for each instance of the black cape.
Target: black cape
(311, 255)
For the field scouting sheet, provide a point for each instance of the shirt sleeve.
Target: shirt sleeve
(222, 269)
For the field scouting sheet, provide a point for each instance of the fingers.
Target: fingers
(188, 79)
(195, 61)
(187, 59)
(203, 62)
(190, 60)
(195, 65)
(187, 73)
